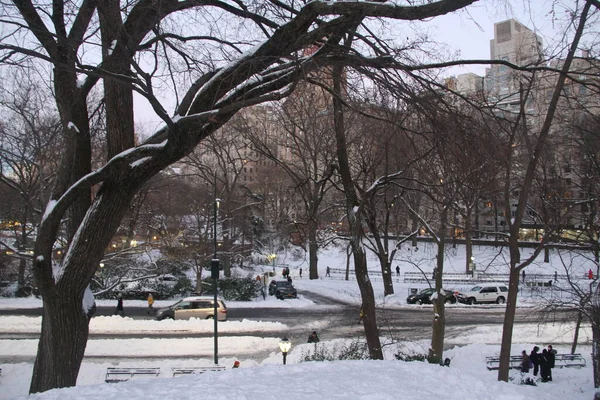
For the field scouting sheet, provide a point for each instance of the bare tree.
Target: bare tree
(535, 145)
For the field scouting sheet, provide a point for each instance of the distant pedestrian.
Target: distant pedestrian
(534, 357)
(434, 273)
(397, 270)
(327, 272)
(289, 279)
(591, 274)
(555, 276)
(523, 276)
(313, 338)
(361, 315)
(119, 310)
(150, 303)
(236, 364)
(524, 362)
(300, 272)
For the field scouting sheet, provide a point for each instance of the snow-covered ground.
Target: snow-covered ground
(265, 377)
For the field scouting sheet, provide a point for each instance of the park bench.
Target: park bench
(114, 374)
(195, 370)
(560, 361)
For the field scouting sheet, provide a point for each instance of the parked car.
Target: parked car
(283, 290)
(487, 293)
(194, 307)
(424, 297)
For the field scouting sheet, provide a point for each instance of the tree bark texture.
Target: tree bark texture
(509, 320)
(436, 350)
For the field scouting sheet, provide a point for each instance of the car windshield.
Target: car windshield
(284, 283)
(176, 304)
(426, 291)
(475, 289)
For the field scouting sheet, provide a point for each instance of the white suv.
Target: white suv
(486, 293)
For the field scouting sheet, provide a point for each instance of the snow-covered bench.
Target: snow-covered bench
(561, 361)
(195, 370)
(115, 374)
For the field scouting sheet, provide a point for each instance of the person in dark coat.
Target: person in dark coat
(524, 362)
(551, 360)
(544, 365)
(119, 310)
(534, 357)
(313, 338)
(397, 270)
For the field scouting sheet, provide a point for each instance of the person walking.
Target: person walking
(397, 270)
(300, 272)
(119, 310)
(524, 362)
(327, 272)
(361, 315)
(313, 338)
(551, 361)
(150, 303)
(534, 357)
(591, 274)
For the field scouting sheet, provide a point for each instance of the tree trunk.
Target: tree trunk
(368, 304)
(64, 323)
(576, 333)
(348, 254)
(386, 273)
(596, 353)
(355, 220)
(62, 344)
(436, 350)
(198, 280)
(312, 250)
(546, 254)
(468, 242)
(414, 227)
(507, 328)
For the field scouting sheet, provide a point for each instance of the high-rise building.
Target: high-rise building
(517, 44)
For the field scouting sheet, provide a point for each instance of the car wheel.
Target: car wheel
(448, 301)
(209, 317)
(500, 300)
(419, 302)
(471, 300)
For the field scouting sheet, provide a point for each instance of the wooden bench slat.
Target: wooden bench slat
(195, 370)
(117, 374)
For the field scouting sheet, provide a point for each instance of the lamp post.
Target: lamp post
(285, 345)
(214, 272)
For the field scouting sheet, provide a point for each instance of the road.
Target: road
(330, 317)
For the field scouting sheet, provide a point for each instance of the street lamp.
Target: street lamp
(214, 272)
(285, 345)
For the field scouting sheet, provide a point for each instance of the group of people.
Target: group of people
(540, 362)
(286, 272)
